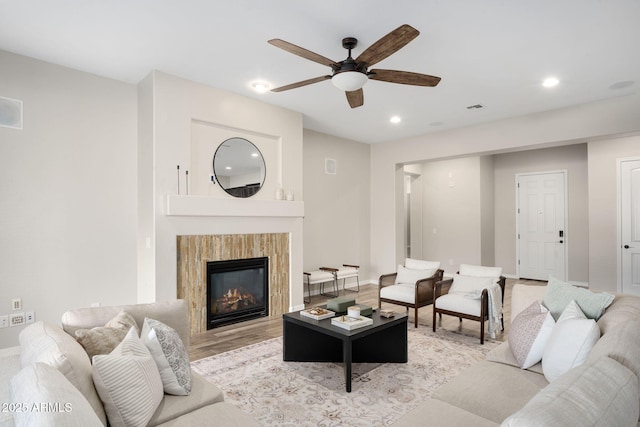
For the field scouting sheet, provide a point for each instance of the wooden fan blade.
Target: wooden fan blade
(387, 45)
(300, 51)
(300, 84)
(355, 98)
(404, 77)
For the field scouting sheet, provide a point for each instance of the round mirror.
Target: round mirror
(239, 167)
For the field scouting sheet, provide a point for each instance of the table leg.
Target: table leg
(346, 353)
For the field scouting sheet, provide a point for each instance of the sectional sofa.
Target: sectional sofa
(48, 379)
(603, 391)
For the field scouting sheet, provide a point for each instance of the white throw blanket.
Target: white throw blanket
(495, 308)
(494, 292)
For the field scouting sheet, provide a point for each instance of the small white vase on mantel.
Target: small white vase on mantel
(279, 194)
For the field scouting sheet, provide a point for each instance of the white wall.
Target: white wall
(336, 223)
(573, 159)
(559, 127)
(487, 211)
(452, 209)
(180, 110)
(68, 198)
(603, 209)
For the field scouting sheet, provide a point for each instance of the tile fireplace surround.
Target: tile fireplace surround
(195, 251)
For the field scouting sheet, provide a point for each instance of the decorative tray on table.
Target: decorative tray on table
(351, 322)
(317, 313)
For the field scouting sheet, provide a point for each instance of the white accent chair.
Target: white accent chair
(411, 286)
(321, 276)
(348, 271)
(466, 295)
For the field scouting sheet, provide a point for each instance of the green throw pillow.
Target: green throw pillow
(559, 294)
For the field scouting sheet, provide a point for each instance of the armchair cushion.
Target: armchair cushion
(402, 292)
(470, 285)
(459, 303)
(480, 271)
(411, 276)
(419, 264)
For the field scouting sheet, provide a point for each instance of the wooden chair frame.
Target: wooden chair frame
(423, 291)
(442, 287)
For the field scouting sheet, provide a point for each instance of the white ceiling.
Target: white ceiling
(490, 52)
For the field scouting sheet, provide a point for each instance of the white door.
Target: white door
(541, 225)
(630, 226)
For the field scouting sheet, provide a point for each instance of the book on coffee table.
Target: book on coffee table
(317, 313)
(351, 322)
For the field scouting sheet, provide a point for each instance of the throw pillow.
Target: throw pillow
(419, 264)
(49, 399)
(480, 271)
(469, 285)
(128, 382)
(47, 343)
(410, 276)
(603, 393)
(570, 343)
(170, 356)
(559, 294)
(529, 333)
(103, 339)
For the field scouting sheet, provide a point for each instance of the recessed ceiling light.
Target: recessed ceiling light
(395, 119)
(260, 86)
(254, 154)
(550, 82)
(228, 168)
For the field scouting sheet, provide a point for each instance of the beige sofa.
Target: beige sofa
(69, 394)
(601, 392)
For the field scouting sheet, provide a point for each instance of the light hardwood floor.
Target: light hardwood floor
(238, 335)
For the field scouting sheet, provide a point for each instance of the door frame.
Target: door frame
(619, 218)
(565, 174)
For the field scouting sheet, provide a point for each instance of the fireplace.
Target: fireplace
(237, 290)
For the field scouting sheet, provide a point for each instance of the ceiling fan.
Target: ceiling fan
(351, 74)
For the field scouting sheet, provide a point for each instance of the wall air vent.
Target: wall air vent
(475, 107)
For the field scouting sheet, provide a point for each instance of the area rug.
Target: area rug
(278, 393)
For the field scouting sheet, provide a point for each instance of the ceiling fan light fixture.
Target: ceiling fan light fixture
(349, 80)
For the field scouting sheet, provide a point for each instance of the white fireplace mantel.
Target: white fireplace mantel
(210, 206)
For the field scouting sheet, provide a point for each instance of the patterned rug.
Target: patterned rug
(278, 393)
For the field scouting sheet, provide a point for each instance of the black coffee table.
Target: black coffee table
(309, 340)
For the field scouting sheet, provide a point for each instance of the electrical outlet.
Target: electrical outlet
(16, 304)
(16, 319)
(4, 321)
(30, 316)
